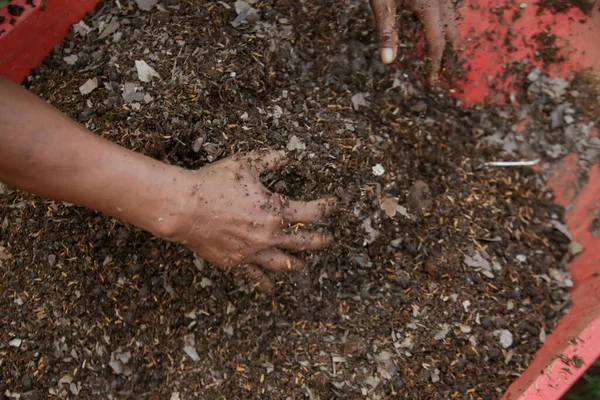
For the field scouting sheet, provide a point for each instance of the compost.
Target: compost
(446, 274)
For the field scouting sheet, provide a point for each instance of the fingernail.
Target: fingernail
(387, 55)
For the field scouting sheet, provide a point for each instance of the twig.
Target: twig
(512, 163)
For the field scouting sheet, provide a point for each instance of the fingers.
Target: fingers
(430, 15)
(449, 23)
(259, 279)
(308, 212)
(302, 240)
(277, 261)
(266, 160)
(387, 35)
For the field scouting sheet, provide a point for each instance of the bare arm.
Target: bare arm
(222, 211)
(46, 153)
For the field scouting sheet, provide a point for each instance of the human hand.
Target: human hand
(222, 211)
(438, 19)
(230, 219)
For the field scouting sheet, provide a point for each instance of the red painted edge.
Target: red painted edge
(24, 45)
(31, 36)
(578, 333)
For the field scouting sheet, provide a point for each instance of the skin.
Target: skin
(439, 22)
(222, 212)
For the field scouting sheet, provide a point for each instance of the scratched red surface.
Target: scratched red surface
(25, 44)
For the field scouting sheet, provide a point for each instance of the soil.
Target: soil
(448, 298)
(561, 6)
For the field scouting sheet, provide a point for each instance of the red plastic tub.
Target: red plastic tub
(29, 33)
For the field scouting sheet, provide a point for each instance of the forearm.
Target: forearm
(42, 151)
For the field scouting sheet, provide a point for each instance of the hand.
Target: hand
(438, 19)
(230, 219)
(222, 211)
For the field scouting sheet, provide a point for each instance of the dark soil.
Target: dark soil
(394, 308)
(560, 6)
(547, 49)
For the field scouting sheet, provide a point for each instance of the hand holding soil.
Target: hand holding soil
(438, 19)
(221, 211)
(230, 219)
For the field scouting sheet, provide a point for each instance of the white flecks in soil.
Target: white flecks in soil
(145, 72)
(505, 337)
(378, 170)
(189, 346)
(71, 60)
(295, 144)
(360, 100)
(119, 360)
(145, 5)
(89, 86)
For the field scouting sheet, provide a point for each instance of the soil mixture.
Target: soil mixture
(560, 6)
(445, 277)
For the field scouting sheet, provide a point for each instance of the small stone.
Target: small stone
(145, 72)
(118, 362)
(189, 346)
(398, 384)
(145, 5)
(378, 170)
(81, 28)
(89, 86)
(16, 342)
(130, 93)
(66, 379)
(359, 100)
(389, 205)
(245, 14)
(575, 248)
(543, 335)
(110, 28)
(295, 144)
(198, 144)
(505, 338)
(71, 60)
(466, 304)
(205, 282)
(534, 75)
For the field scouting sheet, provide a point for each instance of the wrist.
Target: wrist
(157, 201)
(170, 213)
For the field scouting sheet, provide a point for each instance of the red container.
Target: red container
(26, 39)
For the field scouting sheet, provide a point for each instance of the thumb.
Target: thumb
(387, 35)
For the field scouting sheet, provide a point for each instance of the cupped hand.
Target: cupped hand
(231, 220)
(439, 22)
